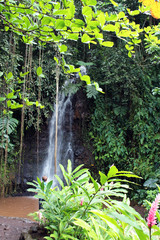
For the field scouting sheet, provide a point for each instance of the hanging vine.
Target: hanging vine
(38, 109)
(22, 115)
(56, 122)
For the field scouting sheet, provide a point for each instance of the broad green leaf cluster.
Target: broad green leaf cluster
(82, 208)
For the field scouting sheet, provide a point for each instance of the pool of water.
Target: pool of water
(18, 206)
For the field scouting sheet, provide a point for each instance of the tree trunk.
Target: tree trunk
(5, 164)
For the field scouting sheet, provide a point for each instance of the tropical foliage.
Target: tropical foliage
(120, 47)
(83, 208)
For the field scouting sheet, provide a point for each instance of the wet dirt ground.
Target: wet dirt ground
(14, 217)
(18, 206)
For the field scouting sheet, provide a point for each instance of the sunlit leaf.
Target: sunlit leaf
(9, 75)
(112, 171)
(109, 27)
(59, 24)
(85, 38)
(39, 71)
(2, 99)
(107, 44)
(86, 10)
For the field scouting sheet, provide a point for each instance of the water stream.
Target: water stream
(64, 145)
(65, 134)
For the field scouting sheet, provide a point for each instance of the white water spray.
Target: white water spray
(64, 145)
(65, 136)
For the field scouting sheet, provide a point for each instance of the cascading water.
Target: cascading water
(65, 140)
(64, 144)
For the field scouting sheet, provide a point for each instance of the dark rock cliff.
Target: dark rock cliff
(82, 155)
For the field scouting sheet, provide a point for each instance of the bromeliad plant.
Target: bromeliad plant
(82, 208)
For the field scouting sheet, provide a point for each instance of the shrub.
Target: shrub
(82, 208)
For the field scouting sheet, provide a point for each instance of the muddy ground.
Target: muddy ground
(14, 228)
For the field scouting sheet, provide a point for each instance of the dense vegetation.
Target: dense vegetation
(84, 208)
(123, 120)
(40, 41)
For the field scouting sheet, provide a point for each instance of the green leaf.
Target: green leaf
(69, 167)
(133, 13)
(156, 233)
(49, 238)
(86, 11)
(111, 222)
(114, 3)
(91, 2)
(97, 87)
(62, 48)
(49, 186)
(129, 48)
(64, 173)
(112, 17)
(77, 168)
(59, 180)
(79, 173)
(27, 22)
(73, 36)
(1, 7)
(39, 71)
(103, 178)
(85, 38)
(11, 95)
(85, 78)
(101, 18)
(16, 105)
(59, 24)
(109, 27)
(129, 54)
(94, 183)
(39, 181)
(78, 23)
(112, 172)
(72, 69)
(9, 75)
(45, 20)
(86, 226)
(2, 99)
(107, 44)
(23, 74)
(121, 15)
(56, 59)
(125, 33)
(83, 178)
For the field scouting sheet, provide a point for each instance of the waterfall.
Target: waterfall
(64, 144)
(65, 140)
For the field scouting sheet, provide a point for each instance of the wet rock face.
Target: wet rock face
(12, 228)
(82, 155)
(35, 232)
(32, 167)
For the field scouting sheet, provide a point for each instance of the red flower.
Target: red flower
(151, 219)
(81, 202)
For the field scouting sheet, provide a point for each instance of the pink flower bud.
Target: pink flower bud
(39, 215)
(102, 189)
(151, 219)
(81, 202)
